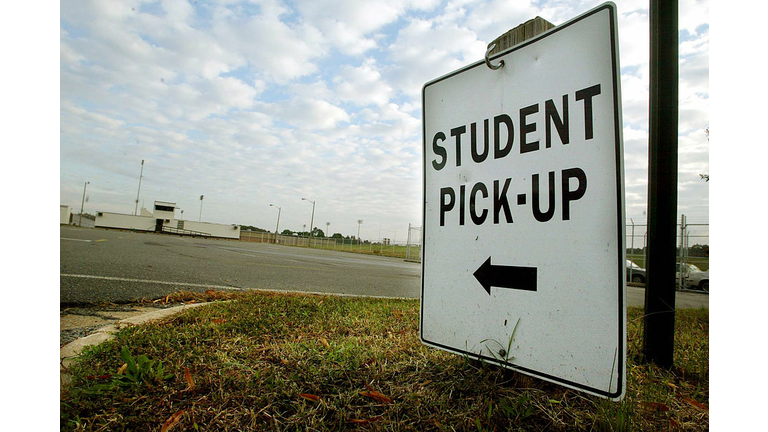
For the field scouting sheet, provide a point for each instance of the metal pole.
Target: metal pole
(311, 221)
(645, 250)
(681, 254)
(279, 210)
(82, 204)
(359, 222)
(200, 218)
(394, 240)
(135, 211)
(659, 329)
(408, 243)
(632, 246)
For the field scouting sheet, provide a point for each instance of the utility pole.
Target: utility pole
(135, 211)
(659, 328)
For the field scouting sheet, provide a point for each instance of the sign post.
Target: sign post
(659, 328)
(523, 241)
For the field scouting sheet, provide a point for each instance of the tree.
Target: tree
(337, 236)
(698, 250)
(287, 232)
(251, 228)
(317, 232)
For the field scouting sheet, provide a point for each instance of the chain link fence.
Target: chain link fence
(692, 243)
(692, 246)
(409, 249)
(413, 244)
(84, 220)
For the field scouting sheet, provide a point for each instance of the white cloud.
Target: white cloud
(492, 19)
(362, 85)
(312, 114)
(634, 95)
(278, 50)
(693, 14)
(97, 120)
(252, 102)
(349, 24)
(425, 50)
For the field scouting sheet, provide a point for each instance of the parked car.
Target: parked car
(698, 279)
(635, 273)
(687, 269)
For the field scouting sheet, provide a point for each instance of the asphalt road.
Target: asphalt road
(98, 265)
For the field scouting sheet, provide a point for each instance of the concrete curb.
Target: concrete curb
(69, 352)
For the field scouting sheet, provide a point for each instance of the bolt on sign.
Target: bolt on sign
(523, 249)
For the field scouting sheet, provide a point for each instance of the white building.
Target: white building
(66, 214)
(163, 219)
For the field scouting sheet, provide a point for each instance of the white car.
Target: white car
(635, 273)
(698, 279)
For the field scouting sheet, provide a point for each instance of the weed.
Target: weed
(516, 409)
(503, 355)
(134, 373)
(142, 370)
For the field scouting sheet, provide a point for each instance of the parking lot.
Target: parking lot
(117, 266)
(98, 265)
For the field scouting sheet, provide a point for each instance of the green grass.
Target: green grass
(396, 251)
(373, 249)
(304, 362)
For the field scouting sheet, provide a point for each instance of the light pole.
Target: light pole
(139, 192)
(359, 222)
(327, 229)
(200, 218)
(311, 221)
(279, 210)
(82, 204)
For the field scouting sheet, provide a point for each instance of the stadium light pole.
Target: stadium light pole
(82, 204)
(359, 222)
(279, 210)
(311, 221)
(200, 218)
(135, 210)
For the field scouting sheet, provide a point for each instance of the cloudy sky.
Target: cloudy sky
(256, 102)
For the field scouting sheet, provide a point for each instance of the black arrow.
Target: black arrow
(513, 277)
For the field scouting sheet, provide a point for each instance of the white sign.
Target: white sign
(523, 250)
